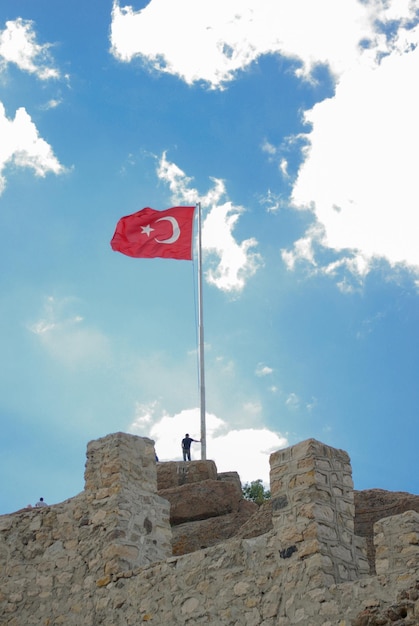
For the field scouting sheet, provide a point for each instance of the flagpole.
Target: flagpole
(201, 341)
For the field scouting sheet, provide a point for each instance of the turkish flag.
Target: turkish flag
(149, 233)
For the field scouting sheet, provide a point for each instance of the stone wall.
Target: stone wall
(53, 557)
(313, 512)
(206, 507)
(103, 557)
(372, 505)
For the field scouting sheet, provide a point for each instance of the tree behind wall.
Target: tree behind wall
(256, 492)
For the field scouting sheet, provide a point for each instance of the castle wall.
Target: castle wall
(103, 556)
(313, 512)
(52, 557)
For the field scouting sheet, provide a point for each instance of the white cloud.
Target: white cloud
(302, 249)
(18, 45)
(312, 404)
(292, 401)
(359, 174)
(21, 146)
(272, 202)
(267, 147)
(263, 370)
(252, 408)
(179, 183)
(349, 270)
(358, 177)
(245, 451)
(231, 263)
(220, 38)
(66, 338)
(235, 262)
(283, 167)
(51, 104)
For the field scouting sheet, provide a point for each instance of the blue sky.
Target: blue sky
(295, 125)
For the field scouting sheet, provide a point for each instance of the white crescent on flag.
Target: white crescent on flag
(176, 230)
(140, 236)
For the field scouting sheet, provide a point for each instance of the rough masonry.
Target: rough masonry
(105, 556)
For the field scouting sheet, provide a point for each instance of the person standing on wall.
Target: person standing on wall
(186, 447)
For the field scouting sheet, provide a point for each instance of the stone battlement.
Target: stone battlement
(105, 556)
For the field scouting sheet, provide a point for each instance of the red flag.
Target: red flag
(149, 233)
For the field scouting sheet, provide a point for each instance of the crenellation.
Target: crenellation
(397, 543)
(316, 501)
(105, 556)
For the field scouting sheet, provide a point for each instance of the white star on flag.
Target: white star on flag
(146, 230)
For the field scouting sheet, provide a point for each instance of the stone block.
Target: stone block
(192, 536)
(176, 473)
(231, 477)
(98, 560)
(198, 501)
(117, 460)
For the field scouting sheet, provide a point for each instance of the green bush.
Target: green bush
(256, 492)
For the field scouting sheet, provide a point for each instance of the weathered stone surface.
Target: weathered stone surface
(259, 523)
(192, 536)
(312, 507)
(396, 545)
(100, 558)
(231, 477)
(198, 501)
(176, 473)
(372, 505)
(110, 462)
(54, 550)
(402, 612)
